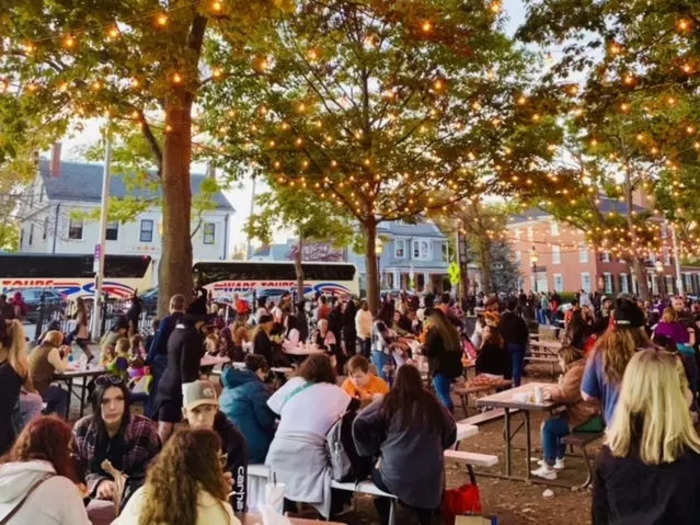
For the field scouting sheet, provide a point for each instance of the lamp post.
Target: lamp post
(533, 260)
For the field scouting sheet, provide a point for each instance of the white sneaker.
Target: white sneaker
(545, 472)
(558, 464)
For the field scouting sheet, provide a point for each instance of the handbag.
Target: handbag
(16, 508)
(462, 500)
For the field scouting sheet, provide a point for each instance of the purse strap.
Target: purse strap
(16, 508)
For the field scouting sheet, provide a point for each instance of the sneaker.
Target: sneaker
(558, 464)
(545, 473)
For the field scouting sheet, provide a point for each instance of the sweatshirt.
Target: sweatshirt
(363, 324)
(56, 501)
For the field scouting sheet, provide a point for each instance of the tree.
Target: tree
(386, 110)
(505, 273)
(284, 207)
(140, 61)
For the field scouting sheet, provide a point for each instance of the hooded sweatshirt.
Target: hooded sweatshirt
(55, 501)
(244, 401)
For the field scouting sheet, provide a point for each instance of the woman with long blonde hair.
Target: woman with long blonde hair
(185, 485)
(647, 470)
(14, 372)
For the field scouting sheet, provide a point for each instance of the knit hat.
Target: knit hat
(492, 319)
(628, 314)
(198, 393)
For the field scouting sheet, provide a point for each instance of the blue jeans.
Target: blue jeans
(517, 353)
(442, 384)
(56, 400)
(552, 431)
(380, 360)
(541, 316)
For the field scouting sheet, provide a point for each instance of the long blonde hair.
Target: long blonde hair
(17, 349)
(652, 412)
(618, 345)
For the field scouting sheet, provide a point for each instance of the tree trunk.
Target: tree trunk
(298, 268)
(371, 264)
(175, 270)
(485, 261)
(637, 264)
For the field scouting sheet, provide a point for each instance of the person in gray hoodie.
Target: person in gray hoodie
(38, 478)
(244, 402)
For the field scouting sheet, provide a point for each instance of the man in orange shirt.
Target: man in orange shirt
(361, 384)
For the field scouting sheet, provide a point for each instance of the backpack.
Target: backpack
(346, 463)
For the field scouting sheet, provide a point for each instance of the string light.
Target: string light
(427, 26)
(161, 19)
(69, 42)
(176, 78)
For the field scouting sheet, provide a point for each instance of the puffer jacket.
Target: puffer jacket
(244, 402)
(569, 393)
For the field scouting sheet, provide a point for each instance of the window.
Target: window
(554, 228)
(624, 283)
(31, 233)
(583, 254)
(556, 254)
(399, 248)
(422, 250)
(445, 252)
(146, 232)
(558, 282)
(605, 257)
(529, 233)
(670, 284)
(21, 238)
(586, 282)
(607, 276)
(75, 229)
(112, 231)
(46, 228)
(209, 232)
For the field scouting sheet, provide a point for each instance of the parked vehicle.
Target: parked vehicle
(53, 302)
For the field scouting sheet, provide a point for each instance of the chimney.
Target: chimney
(56, 160)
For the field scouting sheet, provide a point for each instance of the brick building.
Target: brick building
(554, 256)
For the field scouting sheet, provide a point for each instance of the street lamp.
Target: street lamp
(533, 260)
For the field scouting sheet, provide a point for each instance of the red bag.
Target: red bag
(455, 502)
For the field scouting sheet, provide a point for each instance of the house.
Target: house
(48, 223)
(554, 256)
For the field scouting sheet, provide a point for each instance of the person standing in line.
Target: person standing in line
(443, 348)
(515, 335)
(363, 328)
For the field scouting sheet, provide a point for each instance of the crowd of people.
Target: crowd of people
(627, 368)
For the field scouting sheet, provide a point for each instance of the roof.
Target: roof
(606, 205)
(402, 229)
(79, 181)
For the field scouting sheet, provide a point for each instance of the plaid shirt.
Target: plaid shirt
(142, 445)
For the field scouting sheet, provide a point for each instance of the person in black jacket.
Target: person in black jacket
(262, 345)
(515, 335)
(14, 372)
(647, 471)
(349, 330)
(493, 357)
(201, 410)
(185, 352)
(444, 352)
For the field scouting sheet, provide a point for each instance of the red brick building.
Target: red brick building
(555, 257)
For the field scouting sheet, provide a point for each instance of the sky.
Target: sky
(240, 195)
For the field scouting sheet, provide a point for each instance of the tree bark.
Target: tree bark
(371, 264)
(637, 263)
(485, 261)
(299, 269)
(175, 270)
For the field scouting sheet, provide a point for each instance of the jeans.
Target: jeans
(56, 400)
(541, 316)
(30, 406)
(517, 353)
(366, 347)
(552, 431)
(442, 384)
(381, 360)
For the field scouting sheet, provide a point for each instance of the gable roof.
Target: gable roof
(606, 205)
(79, 181)
(402, 229)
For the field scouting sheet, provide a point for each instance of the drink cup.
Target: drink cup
(539, 395)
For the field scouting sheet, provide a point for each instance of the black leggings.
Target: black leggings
(425, 516)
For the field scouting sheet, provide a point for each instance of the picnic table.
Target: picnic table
(519, 399)
(250, 518)
(301, 349)
(69, 376)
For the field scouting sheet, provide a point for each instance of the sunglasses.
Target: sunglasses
(109, 380)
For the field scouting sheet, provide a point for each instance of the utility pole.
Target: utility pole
(99, 262)
(249, 251)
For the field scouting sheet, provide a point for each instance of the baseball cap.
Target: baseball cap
(198, 393)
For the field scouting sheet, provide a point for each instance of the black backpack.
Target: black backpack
(346, 463)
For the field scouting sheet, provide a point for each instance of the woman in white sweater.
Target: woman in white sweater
(38, 478)
(185, 485)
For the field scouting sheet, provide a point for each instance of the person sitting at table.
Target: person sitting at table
(308, 405)
(186, 484)
(360, 383)
(116, 362)
(580, 415)
(612, 352)
(185, 352)
(119, 329)
(294, 331)
(129, 441)
(493, 358)
(39, 481)
(200, 408)
(647, 470)
(408, 429)
(443, 348)
(326, 341)
(262, 345)
(244, 402)
(47, 359)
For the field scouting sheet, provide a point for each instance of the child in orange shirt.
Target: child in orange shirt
(361, 384)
